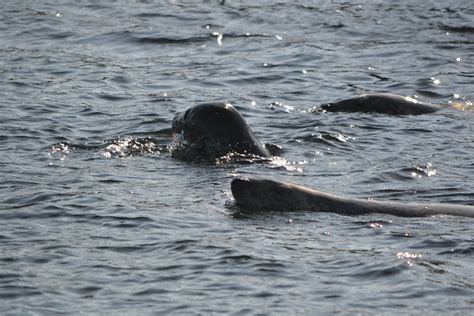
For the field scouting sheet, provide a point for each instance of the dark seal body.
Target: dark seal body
(208, 131)
(384, 103)
(269, 195)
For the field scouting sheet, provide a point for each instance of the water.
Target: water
(98, 218)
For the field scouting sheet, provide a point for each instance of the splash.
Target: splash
(58, 151)
(426, 170)
(279, 162)
(408, 257)
(234, 157)
(461, 103)
(130, 146)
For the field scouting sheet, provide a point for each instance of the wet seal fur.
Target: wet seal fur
(208, 131)
(384, 103)
(270, 195)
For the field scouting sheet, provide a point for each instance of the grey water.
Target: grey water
(97, 217)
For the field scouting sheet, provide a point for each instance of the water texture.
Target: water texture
(97, 217)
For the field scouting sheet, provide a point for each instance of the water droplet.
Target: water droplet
(435, 80)
(219, 39)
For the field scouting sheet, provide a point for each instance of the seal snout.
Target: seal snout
(237, 186)
(242, 190)
(177, 124)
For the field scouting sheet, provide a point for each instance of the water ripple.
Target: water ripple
(98, 217)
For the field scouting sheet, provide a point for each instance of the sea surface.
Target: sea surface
(97, 218)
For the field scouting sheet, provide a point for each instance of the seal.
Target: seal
(384, 103)
(270, 195)
(208, 131)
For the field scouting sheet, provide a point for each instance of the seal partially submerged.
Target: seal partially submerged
(270, 195)
(384, 103)
(208, 131)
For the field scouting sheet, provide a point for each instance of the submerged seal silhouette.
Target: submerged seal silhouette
(270, 195)
(384, 103)
(209, 131)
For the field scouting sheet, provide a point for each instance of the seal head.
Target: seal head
(208, 131)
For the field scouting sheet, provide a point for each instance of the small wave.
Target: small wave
(432, 243)
(238, 259)
(87, 291)
(375, 271)
(152, 291)
(463, 251)
(26, 198)
(155, 15)
(186, 40)
(429, 94)
(181, 245)
(114, 97)
(403, 174)
(121, 249)
(258, 79)
(374, 224)
(170, 40)
(326, 138)
(18, 291)
(146, 38)
(458, 29)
